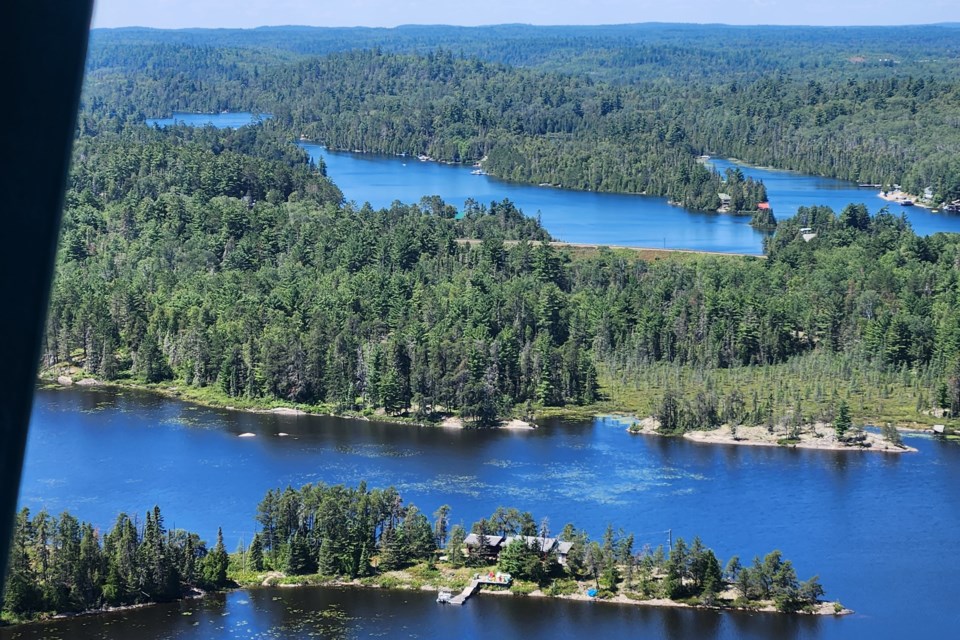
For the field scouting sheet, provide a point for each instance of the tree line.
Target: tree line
(338, 531)
(63, 565)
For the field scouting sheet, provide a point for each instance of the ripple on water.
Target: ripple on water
(376, 451)
(505, 464)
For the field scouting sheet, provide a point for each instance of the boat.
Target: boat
(444, 597)
(478, 172)
(905, 202)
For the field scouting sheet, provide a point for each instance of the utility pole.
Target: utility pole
(670, 539)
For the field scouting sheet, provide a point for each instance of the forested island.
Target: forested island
(322, 534)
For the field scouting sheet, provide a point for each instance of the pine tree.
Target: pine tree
(842, 423)
(327, 559)
(256, 553)
(215, 565)
(300, 561)
(455, 547)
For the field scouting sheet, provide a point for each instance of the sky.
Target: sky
(169, 14)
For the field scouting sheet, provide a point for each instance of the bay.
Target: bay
(582, 216)
(874, 526)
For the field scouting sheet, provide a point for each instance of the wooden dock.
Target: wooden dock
(468, 591)
(499, 579)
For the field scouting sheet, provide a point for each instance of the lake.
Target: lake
(228, 120)
(588, 217)
(608, 218)
(877, 528)
(874, 526)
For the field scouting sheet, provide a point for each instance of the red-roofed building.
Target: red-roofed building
(763, 205)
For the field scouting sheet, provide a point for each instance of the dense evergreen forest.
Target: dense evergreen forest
(607, 108)
(356, 533)
(225, 260)
(616, 53)
(62, 565)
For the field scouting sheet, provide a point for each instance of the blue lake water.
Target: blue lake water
(230, 120)
(608, 218)
(874, 526)
(789, 190)
(572, 216)
(588, 217)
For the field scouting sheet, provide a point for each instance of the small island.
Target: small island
(338, 535)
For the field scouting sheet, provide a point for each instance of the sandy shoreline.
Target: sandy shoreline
(895, 196)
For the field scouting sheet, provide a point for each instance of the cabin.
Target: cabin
(488, 548)
(493, 545)
(563, 551)
(543, 545)
(763, 206)
(807, 234)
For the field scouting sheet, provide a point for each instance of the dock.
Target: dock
(468, 591)
(499, 579)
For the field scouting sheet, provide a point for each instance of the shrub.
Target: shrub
(522, 588)
(562, 588)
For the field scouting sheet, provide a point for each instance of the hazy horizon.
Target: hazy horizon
(183, 14)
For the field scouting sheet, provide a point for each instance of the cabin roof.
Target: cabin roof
(543, 544)
(473, 540)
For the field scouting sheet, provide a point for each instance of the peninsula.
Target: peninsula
(371, 538)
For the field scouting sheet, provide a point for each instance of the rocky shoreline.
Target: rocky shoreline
(820, 436)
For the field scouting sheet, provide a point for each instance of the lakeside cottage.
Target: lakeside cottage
(488, 548)
(493, 545)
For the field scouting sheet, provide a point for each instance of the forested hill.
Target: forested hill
(617, 53)
(223, 260)
(627, 114)
(530, 126)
